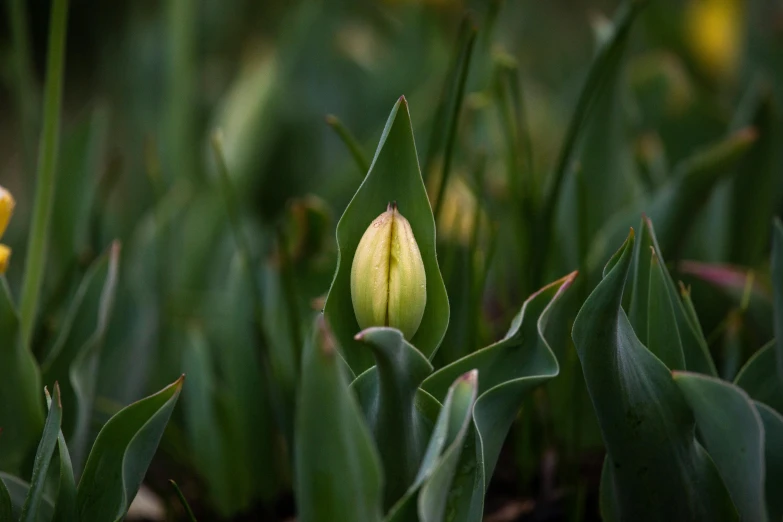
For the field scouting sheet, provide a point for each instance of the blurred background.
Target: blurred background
(149, 82)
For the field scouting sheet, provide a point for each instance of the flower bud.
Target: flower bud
(6, 209)
(388, 282)
(5, 257)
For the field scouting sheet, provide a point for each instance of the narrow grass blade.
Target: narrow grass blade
(47, 167)
(183, 501)
(362, 163)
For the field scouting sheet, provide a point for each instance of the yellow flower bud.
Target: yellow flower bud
(5, 257)
(6, 209)
(388, 282)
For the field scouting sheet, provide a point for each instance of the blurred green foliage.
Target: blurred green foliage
(555, 126)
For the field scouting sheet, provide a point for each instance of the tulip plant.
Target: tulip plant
(111, 465)
(381, 434)
(377, 401)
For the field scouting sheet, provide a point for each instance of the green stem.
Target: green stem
(439, 121)
(454, 120)
(350, 142)
(47, 164)
(183, 501)
(181, 117)
(23, 84)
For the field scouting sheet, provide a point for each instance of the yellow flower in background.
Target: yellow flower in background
(715, 34)
(6, 209)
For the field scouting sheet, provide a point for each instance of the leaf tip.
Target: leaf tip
(179, 382)
(470, 378)
(115, 249)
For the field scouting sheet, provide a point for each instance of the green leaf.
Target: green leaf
(38, 238)
(75, 356)
(663, 336)
(350, 142)
(660, 325)
(753, 192)
(603, 70)
(426, 499)
(5, 503)
(121, 454)
(82, 160)
(588, 121)
(675, 204)
(777, 288)
(21, 414)
(65, 506)
(337, 468)
(657, 470)
(734, 437)
(43, 458)
(759, 377)
(508, 370)
(17, 491)
(393, 176)
(387, 393)
(205, 426)
(253, 440)
(773, 454)
(455, 85)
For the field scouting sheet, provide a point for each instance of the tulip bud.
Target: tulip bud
(388, 282)
(5, 257)
(6, 209)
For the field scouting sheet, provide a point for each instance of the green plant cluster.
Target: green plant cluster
(622, 385)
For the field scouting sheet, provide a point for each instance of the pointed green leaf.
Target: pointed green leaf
(21, 414)
(436, 490)
(638, 313)
(17, 491)
(65, 506)
(74, 358)
(733, 434)
(759, 377)
(773, 454)
(508, 370)
(427, 497)
(663, 335)
(121, 454)
(387, 399)
(695, 352)
(43, 457)
(337, 468)
(657, 470)
(393, 176)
